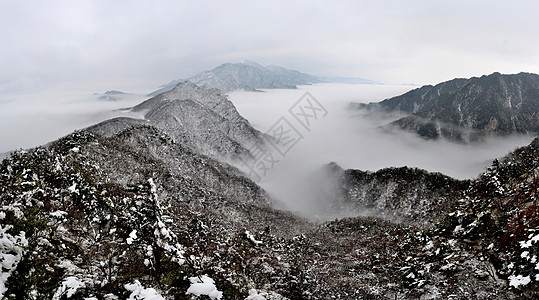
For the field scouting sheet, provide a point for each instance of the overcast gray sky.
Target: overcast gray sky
(121, 44)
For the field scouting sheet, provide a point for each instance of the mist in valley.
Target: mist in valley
(29, 120)
(353, 140)
(345, 136)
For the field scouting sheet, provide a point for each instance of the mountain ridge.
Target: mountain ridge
(468, 109)
(397, 194)
(202, 119)
(251, 76)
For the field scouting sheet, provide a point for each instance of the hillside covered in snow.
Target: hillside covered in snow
(149, 209)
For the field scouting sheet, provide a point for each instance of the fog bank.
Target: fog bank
(353, 141)
(29, 120)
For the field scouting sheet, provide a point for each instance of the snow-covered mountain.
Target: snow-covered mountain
(250, 76)
(111, 95)
(403, 195)
(468, 109)
(144, 209)
(201, 119)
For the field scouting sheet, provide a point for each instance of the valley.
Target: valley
(161, 206)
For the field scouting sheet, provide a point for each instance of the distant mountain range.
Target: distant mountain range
(468, 109)
(250, 76)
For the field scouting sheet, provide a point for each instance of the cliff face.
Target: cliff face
(468, 109)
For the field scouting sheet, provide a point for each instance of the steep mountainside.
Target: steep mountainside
(89, 215)
(402, 195)
(138, 215)
(292, 76)
(251, 76)
(492, 231)
(201, 119)
(484, 231)
(468, 109)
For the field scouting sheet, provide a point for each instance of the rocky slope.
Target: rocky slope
(89, 215)
(138, 215)
(401, 195)
(480, 238)
(491, 234)
(468, 109)
(201, 119)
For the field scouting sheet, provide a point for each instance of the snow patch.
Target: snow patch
(17, 212)
(68, 266)
(138, 292)
(251, 237)
(69, 287)
(204, 286)
(11, 252)
(429, 246)
(132, 237)
(153, 188)
(458, 229)
(255, 294)
(73, 188)
(58, 213)
(519, 280)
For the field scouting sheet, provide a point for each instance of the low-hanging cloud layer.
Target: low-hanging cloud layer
(141, 44)
(27, 122)
(352, 140)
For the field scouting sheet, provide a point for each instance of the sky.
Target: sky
(139, 45)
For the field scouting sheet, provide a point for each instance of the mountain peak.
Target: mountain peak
(249, 75)
(466, 110)
(185, 85)
(333, 167)
(251, 63)
(114, 92)
(202, 118)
